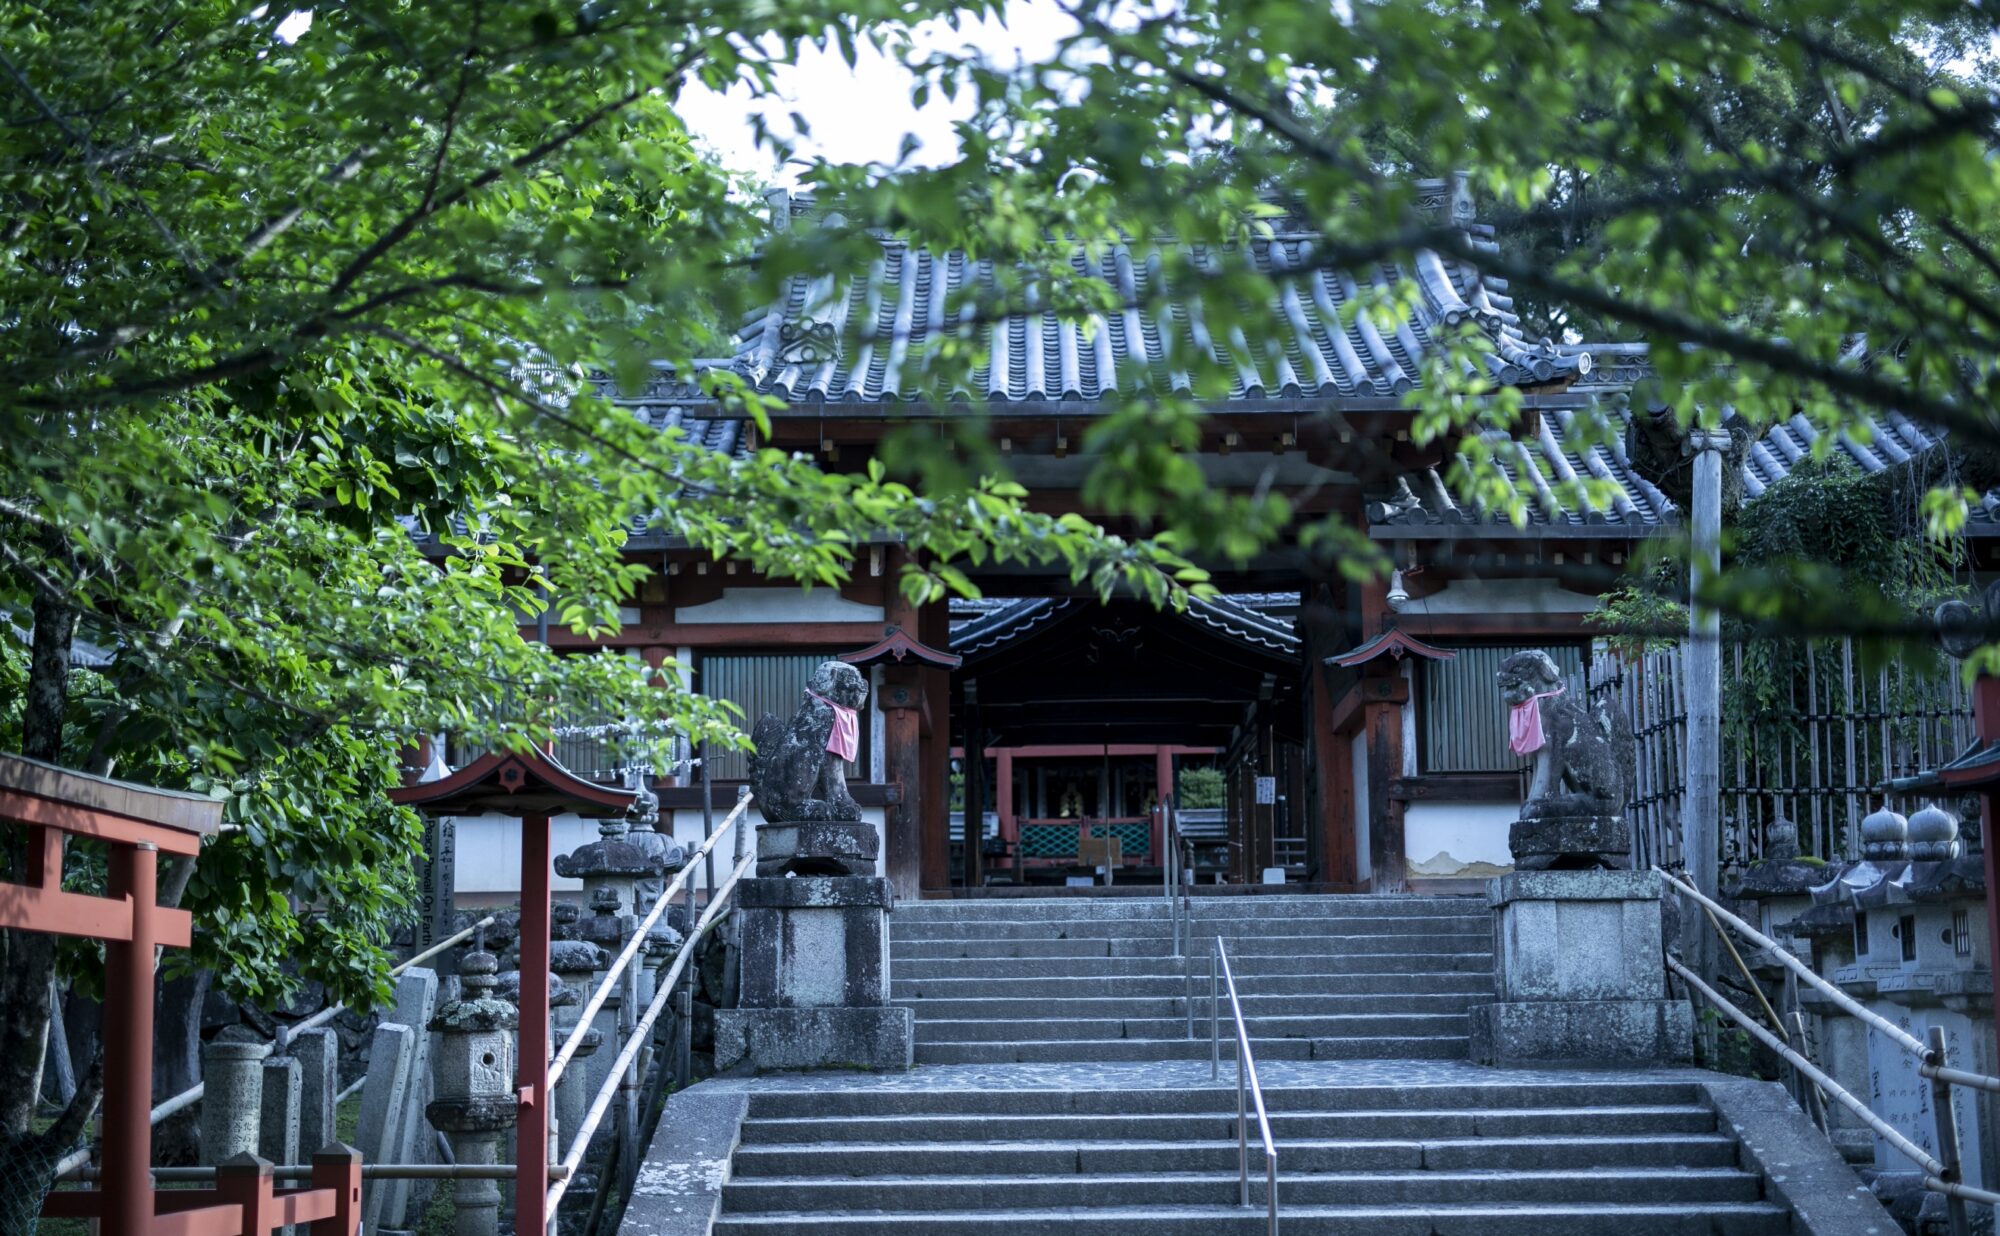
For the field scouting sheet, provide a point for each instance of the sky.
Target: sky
(856, 114)
(860, 115)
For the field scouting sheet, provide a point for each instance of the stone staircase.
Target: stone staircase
(1095, 979)
(1057, 1092)
(1422, 1158)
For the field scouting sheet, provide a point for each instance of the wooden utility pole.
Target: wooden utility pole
(1701, 805)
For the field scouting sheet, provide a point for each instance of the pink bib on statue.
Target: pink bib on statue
(1524, 725)
(844, 739)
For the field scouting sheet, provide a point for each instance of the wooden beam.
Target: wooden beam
(728, 635)
(1458, 787)
(1523, 626)
(723, 794)
(85, 822)
(1347, 707)
(59, 913)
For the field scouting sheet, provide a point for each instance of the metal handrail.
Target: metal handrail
(641, 1033)
(1174, 882)
(1247, 1086)
(612, 973)
(1941, 1171)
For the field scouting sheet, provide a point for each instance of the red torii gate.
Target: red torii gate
(533, 787)
(136, 823)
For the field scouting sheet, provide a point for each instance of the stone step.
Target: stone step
(1060, 1156)
(1247, 968)
(1286, 1127)
(1201, 931)
(1206, 1098)
(1086, 1008)
(1204, 907)
(1475, 1219)
(951, 985)
(1355, 1025)
(1262, 944)
(1134, 946)
(1686, 1185)
(1396, 1047)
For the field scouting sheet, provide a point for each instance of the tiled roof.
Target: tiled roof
(986, 623)
(990, 622)
(795, 349)
(1553, 455)
(1246, 624)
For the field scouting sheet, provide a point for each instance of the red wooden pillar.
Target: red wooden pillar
(1010, 829)
(1329, 751)
(1384, 724)
(245, 1181)
(902, 718)
(1986, 723)
(338, 1169)
(1163, 791)
(127, 1181)
(531, 1126)
(934, 805)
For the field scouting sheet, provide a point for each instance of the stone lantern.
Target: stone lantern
(610, 862)
(474, 1083)
(577, 962)
(1780, 887)
(608, 930)
(661, 850)
(662, 942)
(1944, 979)
(1839, 1039)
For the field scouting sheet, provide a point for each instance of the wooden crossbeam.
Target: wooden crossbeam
(78, 914)
(85, 822)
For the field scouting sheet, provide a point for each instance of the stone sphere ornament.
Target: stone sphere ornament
(1933, 834)
(1885, 836)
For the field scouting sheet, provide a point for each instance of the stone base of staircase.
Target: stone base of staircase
(773, 1040)
(1582, 1032)
(1402, 1148)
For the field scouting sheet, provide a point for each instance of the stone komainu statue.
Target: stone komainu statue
(798, 771)
(1583, 752)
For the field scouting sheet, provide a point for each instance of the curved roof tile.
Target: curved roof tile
(795, 349)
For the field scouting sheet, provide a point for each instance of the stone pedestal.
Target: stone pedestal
(1578, 972)
(1569, 841)
(817, 847)
(815, 978)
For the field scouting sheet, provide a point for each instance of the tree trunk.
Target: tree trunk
(177, 1008)
(27, 959)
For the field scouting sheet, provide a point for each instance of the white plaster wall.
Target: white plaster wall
(1443, 840)
(489, 848)
(489, 853)
(1501, 596)
(780, 604)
